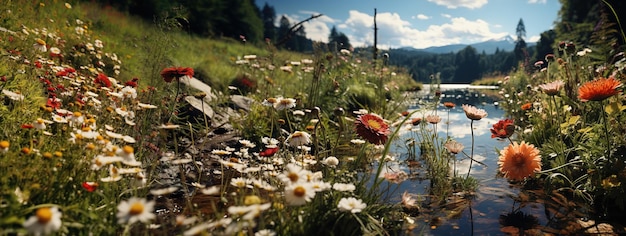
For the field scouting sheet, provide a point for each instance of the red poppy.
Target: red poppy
(527, 106)
(503, 129)
(372, 128)
(268, 152)
(405, 113)
(53, 102)
(90, 186)
(27, 126)
(172, 73)
(103, 80)
(132, 83)
(599, 89)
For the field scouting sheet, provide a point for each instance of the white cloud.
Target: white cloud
(471, 4)
(422, 17)
(392, 30)
(446, 15)
(537, 1)
(533, 39)
(316, 29)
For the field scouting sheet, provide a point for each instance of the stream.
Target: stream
(487, 210)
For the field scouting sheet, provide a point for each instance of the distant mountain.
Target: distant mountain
(506, 43)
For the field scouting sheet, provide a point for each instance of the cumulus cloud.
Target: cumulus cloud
(471, 4)
(537, 1)
(533, 39)
(317, 29)
(422, 17)
(393, 30)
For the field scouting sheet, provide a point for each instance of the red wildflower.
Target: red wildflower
(372, 128)
(503, 129)
(103, 80)
(132, 83)
(416, 121)
(27, 126)
(172, 73)
(62, 73)
(599, 89)
(90, 186)
(527, 106)
(268, 152)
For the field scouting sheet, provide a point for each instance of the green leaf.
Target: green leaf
(614, 107)
(570, 122)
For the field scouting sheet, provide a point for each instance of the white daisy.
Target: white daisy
(351, 204)
(299, 138)
(298, 194)
(45, 221)
(135, 209)
(285, 103)
(344, 187)
(293, 174)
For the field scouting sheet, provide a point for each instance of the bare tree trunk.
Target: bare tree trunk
(375, 37)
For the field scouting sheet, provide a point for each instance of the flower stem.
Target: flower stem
(173, 106)
(606, 130)
(472, 152)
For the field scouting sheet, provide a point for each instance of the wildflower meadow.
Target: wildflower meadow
(112, 127)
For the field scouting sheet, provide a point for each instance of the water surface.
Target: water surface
(483, 212)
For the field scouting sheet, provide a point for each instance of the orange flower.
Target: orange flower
(172, 73)
(372, 128)
(503, 129)
(449, 105)
(599, 89)
(527, 106)
(518, 161)
(416, 121)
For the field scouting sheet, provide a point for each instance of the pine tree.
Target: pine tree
(521, 53)
(268, 14)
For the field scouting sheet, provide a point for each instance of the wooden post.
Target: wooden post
(375, 37)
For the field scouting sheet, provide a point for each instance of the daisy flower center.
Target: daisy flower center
(299, 191)
(128, 149)
(293, 177)
(44, 215)
(136, 208)
(374, 124)
(4, 144)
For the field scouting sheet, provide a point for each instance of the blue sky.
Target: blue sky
(420, 23)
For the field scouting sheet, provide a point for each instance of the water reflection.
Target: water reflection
(486, 212)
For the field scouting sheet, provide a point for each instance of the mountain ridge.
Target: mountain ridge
(506, 43)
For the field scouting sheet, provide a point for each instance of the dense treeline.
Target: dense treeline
(464, 66)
